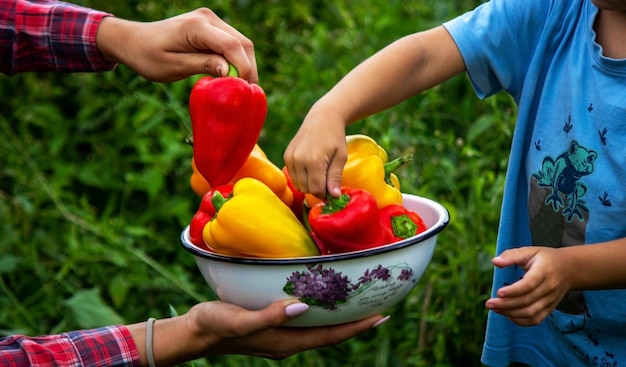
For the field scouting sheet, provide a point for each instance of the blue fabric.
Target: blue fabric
(564, 182)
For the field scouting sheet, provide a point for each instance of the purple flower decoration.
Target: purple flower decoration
(381, 273)
(327, 288)
(367, 277)
(405, 274)
(319, 287)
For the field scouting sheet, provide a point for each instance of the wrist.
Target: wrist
(572, 260)
(111, 37)
(186, 346)
(596, 266)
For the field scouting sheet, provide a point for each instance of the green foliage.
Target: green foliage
(94, 181)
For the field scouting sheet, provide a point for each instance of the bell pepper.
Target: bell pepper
(205, 212)
(400, 223)
(227, 115)
(198, 221)
(256, 166)
(367, 167)
(362, 145)
(260, 167)
(254, 222)
(198, 183)
(297, 205)
(349, 222)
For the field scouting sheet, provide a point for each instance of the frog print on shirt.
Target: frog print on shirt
(563, 175)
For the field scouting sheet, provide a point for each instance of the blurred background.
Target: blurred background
(94, 180)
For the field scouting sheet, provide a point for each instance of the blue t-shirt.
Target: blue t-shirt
(564, 183)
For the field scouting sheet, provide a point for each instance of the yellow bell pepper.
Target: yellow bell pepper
(367, 168)
(256, 166)
(254, 222)
(362, 145)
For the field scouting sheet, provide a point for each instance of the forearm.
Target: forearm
(403, 69)
(597, 266)
(49, 35)
(106, 346)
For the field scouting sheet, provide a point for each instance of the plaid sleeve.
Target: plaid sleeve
(106, 346)
(46, 35)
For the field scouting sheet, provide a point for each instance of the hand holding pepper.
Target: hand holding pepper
(197, 42)
(368, 168)
(316, 156)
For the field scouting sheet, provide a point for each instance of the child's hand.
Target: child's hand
(548, 278)
(198, 42)
(317, 154)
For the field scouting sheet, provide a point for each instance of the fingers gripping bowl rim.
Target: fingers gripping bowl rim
(339, 288)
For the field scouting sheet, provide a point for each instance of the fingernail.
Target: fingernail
(296, 309)
(219, 70)
(381, 321)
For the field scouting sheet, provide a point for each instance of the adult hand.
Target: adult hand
(232, 329)
(530, 300)
(212, 328)
(198, 42)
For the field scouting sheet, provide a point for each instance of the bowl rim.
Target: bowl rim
(444, 219)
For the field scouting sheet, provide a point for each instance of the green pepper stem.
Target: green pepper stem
(390, 167)
(218, 200)
(232, 70)
(335, 204)
(403, 226)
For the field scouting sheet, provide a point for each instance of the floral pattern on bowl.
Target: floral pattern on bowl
(327, 288)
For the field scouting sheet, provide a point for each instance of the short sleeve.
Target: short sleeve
(497, 41)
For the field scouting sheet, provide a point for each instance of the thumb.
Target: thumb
(202, 63)
(333, 178)
(334, 171)
(274, 315)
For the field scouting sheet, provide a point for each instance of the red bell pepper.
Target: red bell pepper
(297, 205)
(227, 115)
(346, 223)
(196, 226)
(400, 223)
(205, 212)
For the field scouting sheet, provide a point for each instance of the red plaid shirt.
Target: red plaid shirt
(107, 346)
(46, 35)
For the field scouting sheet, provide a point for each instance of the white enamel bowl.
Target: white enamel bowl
(339, 288)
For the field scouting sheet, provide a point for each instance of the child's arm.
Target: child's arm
(316, 155)
(552, 272)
